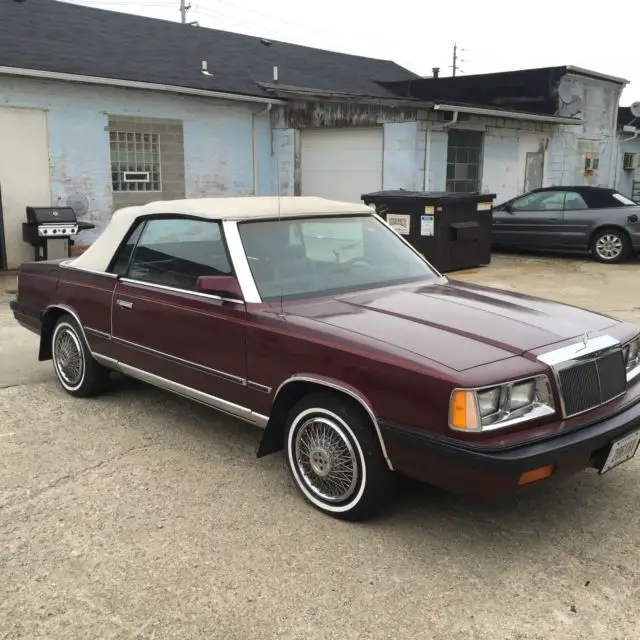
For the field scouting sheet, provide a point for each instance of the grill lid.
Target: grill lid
(50, 215)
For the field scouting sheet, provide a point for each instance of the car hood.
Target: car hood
(458, 325)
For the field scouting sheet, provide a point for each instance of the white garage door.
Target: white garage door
(341, 164)
(24, 175)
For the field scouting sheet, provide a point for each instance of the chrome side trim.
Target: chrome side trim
(240, 262)
(97, 332)
(67, 265)
(578, 350)
(225, 406)
(258, 387)
(105, 361)
(330, 385)
(163, 287)
(215, 372)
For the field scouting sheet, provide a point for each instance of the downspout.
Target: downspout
(453, 120)
(427, 148)
(267, 109)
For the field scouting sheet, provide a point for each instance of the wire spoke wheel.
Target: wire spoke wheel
(68, 357)
(326, 459)
(609, 246)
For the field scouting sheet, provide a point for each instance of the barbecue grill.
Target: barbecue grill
(50, 230)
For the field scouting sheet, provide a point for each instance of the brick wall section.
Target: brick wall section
(171, 157)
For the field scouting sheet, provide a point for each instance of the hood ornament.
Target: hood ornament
(585, 340)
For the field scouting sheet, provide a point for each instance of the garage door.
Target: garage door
(341, 164)
(24, 176)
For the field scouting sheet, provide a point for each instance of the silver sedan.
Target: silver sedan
(570, 219)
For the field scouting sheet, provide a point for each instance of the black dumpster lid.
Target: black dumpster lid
(405, 194)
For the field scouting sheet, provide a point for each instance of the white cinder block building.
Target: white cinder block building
(99, 122)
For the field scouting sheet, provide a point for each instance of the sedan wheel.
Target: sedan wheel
(68, 357)
(610, 246)
(76, 370)
(325, 459)
(335, 458)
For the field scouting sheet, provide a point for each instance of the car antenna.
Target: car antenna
(277, 157)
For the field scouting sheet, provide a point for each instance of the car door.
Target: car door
(165, 331)
(578, 220)
(530, 221)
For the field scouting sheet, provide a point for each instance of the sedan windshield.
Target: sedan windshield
(298, 257)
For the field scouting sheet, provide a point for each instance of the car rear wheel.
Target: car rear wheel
(610, 245)
(335, 459)
(77, 372)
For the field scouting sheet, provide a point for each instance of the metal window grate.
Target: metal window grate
(135, 161)
(464, 158)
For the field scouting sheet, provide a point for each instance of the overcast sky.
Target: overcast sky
(494, 35)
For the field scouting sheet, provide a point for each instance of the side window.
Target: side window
(121, 264)
(175, 252)
(574, 201)
(540, 201)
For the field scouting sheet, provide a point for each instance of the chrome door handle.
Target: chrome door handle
(125, 304)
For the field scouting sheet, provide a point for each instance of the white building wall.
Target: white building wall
(565, 162)
(219, 140)
(505, 148)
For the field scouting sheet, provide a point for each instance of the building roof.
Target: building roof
(98, 256)
(526, 90)
(58, 37)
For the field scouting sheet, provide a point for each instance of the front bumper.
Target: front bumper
(474, 469)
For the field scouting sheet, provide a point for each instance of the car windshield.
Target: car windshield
(315, 256)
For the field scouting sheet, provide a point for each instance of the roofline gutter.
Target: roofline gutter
(595, 74)
(515, 115)
(133, 84)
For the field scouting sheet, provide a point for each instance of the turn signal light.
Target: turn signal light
(464, 411)
(536, 474)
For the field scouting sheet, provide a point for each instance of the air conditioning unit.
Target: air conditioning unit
(631, 161)
(591, 162)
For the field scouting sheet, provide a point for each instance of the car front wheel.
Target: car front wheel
(610, 245)
(335, 459)
(76, 370)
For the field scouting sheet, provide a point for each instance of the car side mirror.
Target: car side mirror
(507, 208)
(223, 286)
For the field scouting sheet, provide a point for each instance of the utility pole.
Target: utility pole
(456, 60)
(184, 7)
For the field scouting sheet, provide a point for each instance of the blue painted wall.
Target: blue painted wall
(218, 140)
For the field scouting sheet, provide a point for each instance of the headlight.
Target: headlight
(631, 352)
(502, 405)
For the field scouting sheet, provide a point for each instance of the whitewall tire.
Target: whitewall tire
(77, 372)
(335, 459)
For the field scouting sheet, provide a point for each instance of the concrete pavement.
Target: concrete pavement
(142, 515)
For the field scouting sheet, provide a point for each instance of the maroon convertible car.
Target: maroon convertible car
(317, 322)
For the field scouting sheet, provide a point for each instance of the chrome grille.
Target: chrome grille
(586, 384)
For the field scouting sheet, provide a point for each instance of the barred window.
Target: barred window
(464, 157)
(135, 161)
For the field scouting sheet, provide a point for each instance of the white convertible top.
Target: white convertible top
(99, 254)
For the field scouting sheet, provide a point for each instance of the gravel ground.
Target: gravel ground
(142, 515)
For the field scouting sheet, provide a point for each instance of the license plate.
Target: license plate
(621, 451)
